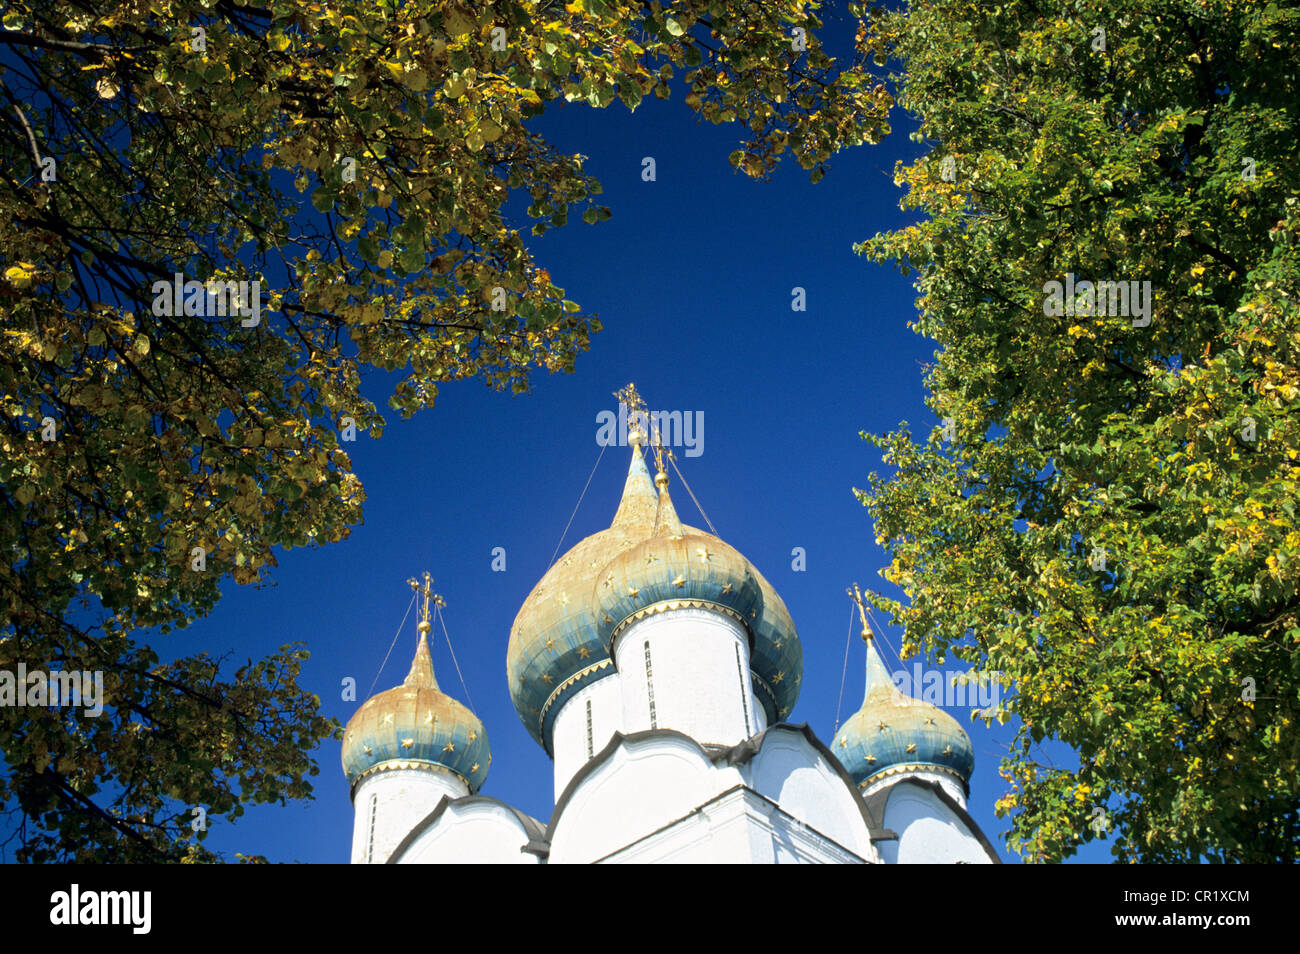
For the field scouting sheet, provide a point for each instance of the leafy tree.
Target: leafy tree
(148, 452)
(1111, 522)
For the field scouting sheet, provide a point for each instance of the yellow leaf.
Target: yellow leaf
(20, 275)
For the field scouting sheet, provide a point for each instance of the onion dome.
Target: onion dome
(560, 640)
(675, 568)
(893, 733)
(776, 659)
(416, 726)
(555, 648)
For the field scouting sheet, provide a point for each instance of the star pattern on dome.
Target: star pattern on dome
(947, 750)
(883, 726)
(387, 719)
(869, 758)
(430, 718)
(644, 557)
(407, 743)
(449, 747)
(473, 734)
(911, 748)
(474, 767)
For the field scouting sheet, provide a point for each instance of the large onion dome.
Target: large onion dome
(675, 567)
(776, 660)
(893, 733)
(416, 726)
(560, 641)
(555, 648)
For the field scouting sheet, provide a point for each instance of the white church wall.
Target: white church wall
(640, 787)
(929, 832)
(571, 743)
(476, 832)
(696, 679)
(790, 771)
(739, 826)
(387, 805)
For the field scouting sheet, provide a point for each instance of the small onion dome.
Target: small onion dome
(555, 648)
(893, 733)
(416, 726)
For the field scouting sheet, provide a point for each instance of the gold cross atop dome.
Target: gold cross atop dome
(639, 420)
(856, 595)
(425, 589)
(636, 412)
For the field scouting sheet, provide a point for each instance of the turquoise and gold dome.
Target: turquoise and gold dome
(645, 561)
(893, 733)
(675, 567)
(555, 648)
(416, 726)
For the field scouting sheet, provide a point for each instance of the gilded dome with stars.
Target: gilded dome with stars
(560, 640)
(416, 726)
(674, 567)
(893, 733)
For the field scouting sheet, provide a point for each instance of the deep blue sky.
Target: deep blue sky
(692, 278)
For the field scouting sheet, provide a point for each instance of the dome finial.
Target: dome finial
(421, 673)
(426, 590)
(856, 595)
(637, 418)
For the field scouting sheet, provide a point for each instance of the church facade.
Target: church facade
(656, 667)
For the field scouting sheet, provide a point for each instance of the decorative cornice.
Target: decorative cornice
(664, 606)
(913, 767)
(393, 765)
